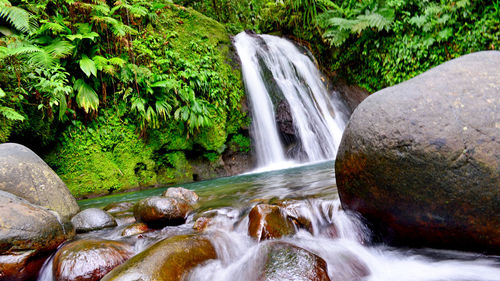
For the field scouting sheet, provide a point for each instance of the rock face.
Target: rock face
(28, 234)
(421, 160)
(160, 211)
(285, 261)
(89, 260)
(26, 175)
(167, 260)
(92, 219)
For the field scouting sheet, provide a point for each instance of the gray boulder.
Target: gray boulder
(421, 160)
(92, 219)
(26, 175)
(28, 235)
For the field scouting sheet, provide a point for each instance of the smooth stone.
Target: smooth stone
(421, 160)
(26, 175)
(269, 222)
(25, 226)
(21, 266)
(168, 260)
(89, 260)
(134, 229)
(185, 194)
(92, 219)
(284, 261)
(160, 211)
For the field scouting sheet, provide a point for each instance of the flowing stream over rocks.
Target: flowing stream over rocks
(309, 192)
(282, 81)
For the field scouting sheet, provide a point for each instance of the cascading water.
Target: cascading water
(275, 67)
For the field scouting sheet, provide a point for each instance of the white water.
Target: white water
(239, 256)
(317, 114)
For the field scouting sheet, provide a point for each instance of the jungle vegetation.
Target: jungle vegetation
(122, 93)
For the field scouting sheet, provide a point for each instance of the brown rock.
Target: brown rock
(20, 266)
(89, 260)
(201, 224)
(167, 260)
(92, 219)
(134, 229)
(159, 211)
(269, 222)
(421, 160)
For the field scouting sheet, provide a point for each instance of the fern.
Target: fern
(86, 97)
(17, 17)
(339, 23)
(11, 114)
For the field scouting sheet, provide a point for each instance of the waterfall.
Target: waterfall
(277, 74)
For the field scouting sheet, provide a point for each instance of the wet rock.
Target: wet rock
(268, 222)
(26, 175)
(201, 224)
(421, 160)
(28, 234)
(92, 219)
(167, 260)
(185, 194)
(159, 211)
(284, 261)
(118, 207)
(134, 229)
(89, 260)
(23, 265)
(25, 226)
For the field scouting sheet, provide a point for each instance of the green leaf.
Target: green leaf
(11, 114)
(2, 93)
(86, 96)
(88, 66)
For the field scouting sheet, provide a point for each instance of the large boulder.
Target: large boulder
(28, 234)
(89, 259)
(170, 259)
(26, 175)
(421, 160)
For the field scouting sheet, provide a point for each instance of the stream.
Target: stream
(349, 254)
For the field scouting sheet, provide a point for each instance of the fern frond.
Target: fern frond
(17, 17)
(11, 114)
(59, 48)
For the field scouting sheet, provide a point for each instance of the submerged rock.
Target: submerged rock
(26, 175)
(269, 222)
(284, 261)
(168, 260)
(160, 211)
(89, 260)
(421, 160)
(185, 194)
(124, 218)
(28, 234)
(92, 219)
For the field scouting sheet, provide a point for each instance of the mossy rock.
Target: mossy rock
(168, 260)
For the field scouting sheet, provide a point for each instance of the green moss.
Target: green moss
(5, 129)
(101, 157)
